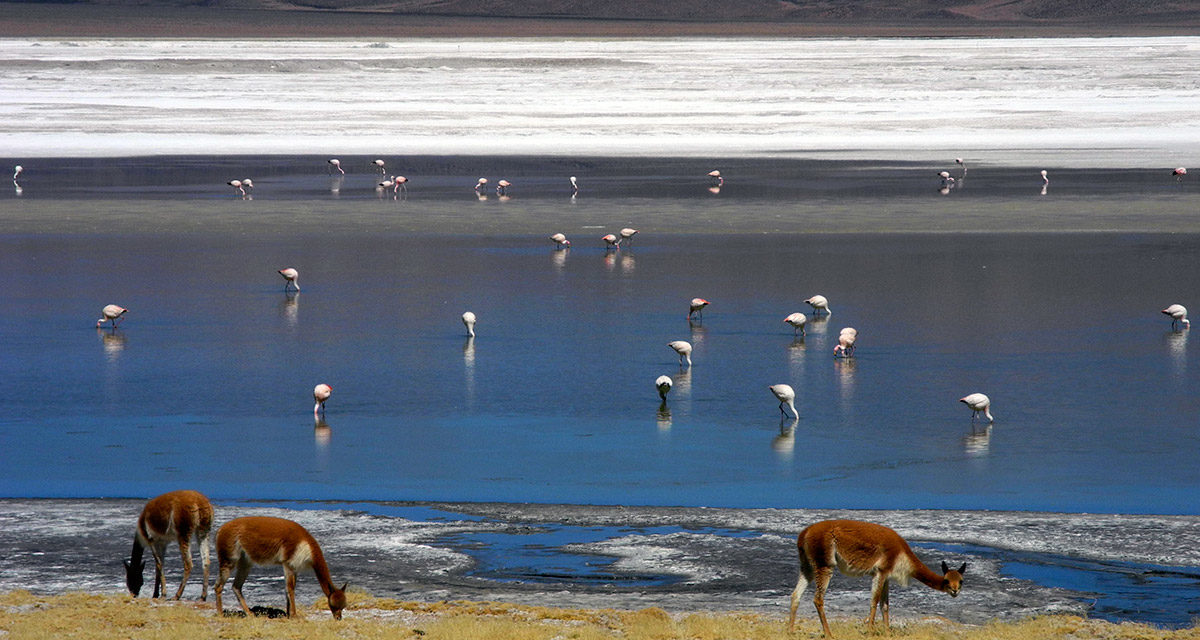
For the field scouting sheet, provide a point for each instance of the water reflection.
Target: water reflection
(610, 260)
(1177, 349)
(469, 370)
(845, 368)
(113, 342)
(627, 264)
(784, 443)
(682, 382)
(17, 188)
(978, 442)
(289, 309)
(817, 325)
(663, 417)
(796, 353)
(559, 257)
(322, 436)
(335, 185)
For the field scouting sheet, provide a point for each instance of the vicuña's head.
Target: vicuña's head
(133, 576)
(337, 601)
(952, 579)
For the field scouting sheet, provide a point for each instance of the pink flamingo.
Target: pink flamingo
(611, 242)
(1179, 173)
(290, 275)
(237, 186)
(400, 184)
(715, 178)
(334, 163)
(697, 307)
(321, 393)
(111, 313)
(797, 320)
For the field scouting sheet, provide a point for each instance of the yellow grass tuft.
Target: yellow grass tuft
(120, 617)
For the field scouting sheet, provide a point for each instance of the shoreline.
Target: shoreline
(22, 20)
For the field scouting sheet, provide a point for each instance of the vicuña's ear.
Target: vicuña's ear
(348, 584)
(963, 568)
(945, 568)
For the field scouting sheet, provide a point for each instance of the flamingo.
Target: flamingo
(502, 187)
(247, 183)
(715, 178)
(611, 242)
(334, 163)
(1178, 314)
(797, 321)
(845, 345)
(959, 161)
(1045, 179)
(321, 393)
(947, 179)
(18, 169)
(819, 303)
(1179, 173)
(480, 185)
(560, 241)
(386, 184)
(237, 186)
(627, 235)
(379, 165)
(111, 313)
(978, 402)
(468, 320)
(697, 307)
(400, 184)
(289, 276)
(663, 384)
(786, 395)
(684, 349)
(574, 185)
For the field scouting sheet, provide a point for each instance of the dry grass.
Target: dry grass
(80, 615)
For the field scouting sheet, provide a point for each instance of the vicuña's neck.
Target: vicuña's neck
(135, 556)
(925, 575)
(321, 569)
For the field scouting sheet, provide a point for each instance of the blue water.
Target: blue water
(207, 382)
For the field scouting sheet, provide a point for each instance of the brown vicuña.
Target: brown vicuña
(178, 515)
(858, 548)
(243, 542)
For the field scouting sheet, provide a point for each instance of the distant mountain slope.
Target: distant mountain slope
(825, 11)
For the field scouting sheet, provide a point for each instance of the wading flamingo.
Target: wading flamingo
(696, 307)
(978, 402)
(663, 384)
(1179, 173)
(1178, 315)
(379, 164)
(334, 163)
(684, 349)
(237, 186)
(797, 321)
(627, 235)
(111, 313)
(290, 276)
(611, 242)
(502, 187)
(574, 185)
(321, 393)
(560, 241)
(818, 304)
(959, 161)
(480, 185)
(785, 394)
(468, 320)
(715, 178)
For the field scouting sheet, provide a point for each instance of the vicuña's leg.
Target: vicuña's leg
(204, 559)
(801, 584)
(185, 550)
(243, 570)
(290, 576)
(219, 585)
(822, 583)
(158, 549)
